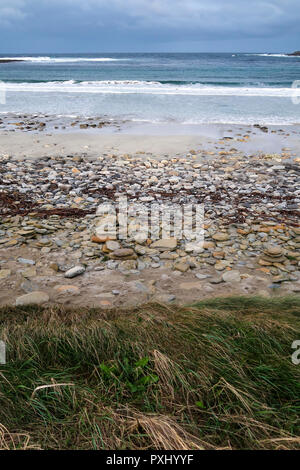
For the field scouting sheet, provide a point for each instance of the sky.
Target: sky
(35, 26)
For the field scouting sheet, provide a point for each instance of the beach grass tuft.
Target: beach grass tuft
(215, 375)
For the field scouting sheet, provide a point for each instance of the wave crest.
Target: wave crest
(144, 87)
(47, 59)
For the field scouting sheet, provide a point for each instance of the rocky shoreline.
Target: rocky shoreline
(8, 61)
(39, 123)
(49, 227)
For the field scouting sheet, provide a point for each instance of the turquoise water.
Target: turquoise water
(183, 88)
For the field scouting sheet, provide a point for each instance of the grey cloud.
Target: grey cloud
(154, 20)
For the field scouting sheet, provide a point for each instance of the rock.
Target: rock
(96, 239)
(34, 298)
(164, 298)
(76, 271)
(181, 266)
(113, 264)
(274, 250)
(99, 268)
(231, 276)
(202, 276)
(112, 245)
(222, 265)
(29, 286)
(26, 261)
(207, 245)
(216, 281)
(127, 253)
(138, 286)
(155, 265)
(4, 273)
(11, 243)
(54, 267)
(279, 279)
(127, 265)
(29, 272)
(221, 236)
(165, 244)
(273, 259)
(219, 254)
(194, 247)
(67, 289)
(168, 256)
(272, 256)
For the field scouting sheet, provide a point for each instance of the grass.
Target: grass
(217, 375)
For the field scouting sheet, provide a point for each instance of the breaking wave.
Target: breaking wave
(148, 87)
(61, 59)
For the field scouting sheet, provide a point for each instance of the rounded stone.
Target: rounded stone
(221, 236)
(36, 298)
(76, 271)
(274, 250)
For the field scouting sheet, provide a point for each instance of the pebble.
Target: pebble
(33, 298)
(26, 261)
(76, 271)
(220, 236)
(4, 273)
(231, 276)
(165, 244)
(202, 276)
(112, 245)
(182, 267)
(242, 240)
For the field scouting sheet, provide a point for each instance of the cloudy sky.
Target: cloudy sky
(149, 25)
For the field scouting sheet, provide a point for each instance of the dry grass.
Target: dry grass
(217, 375)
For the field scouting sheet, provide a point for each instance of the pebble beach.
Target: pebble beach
(50, 190)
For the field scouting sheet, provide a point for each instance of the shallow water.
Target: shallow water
(156, 88)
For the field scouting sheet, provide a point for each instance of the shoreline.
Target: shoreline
(36, 135)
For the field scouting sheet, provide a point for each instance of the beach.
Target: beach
(53, 180)
(149, 228)
(218, 133)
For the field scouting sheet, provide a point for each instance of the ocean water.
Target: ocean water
(156, 88)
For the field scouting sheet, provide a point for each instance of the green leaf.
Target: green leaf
(142, 362)
(200, 404)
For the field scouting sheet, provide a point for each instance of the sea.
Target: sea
(191, 88)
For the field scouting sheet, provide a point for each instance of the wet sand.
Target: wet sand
(149, 139)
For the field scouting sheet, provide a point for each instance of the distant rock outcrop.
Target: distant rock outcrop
(7, 61)
(297, 53)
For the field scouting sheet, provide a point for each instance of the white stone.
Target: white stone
(76, 271)
(231, 276)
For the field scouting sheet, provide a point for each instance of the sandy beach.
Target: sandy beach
(46, 138)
